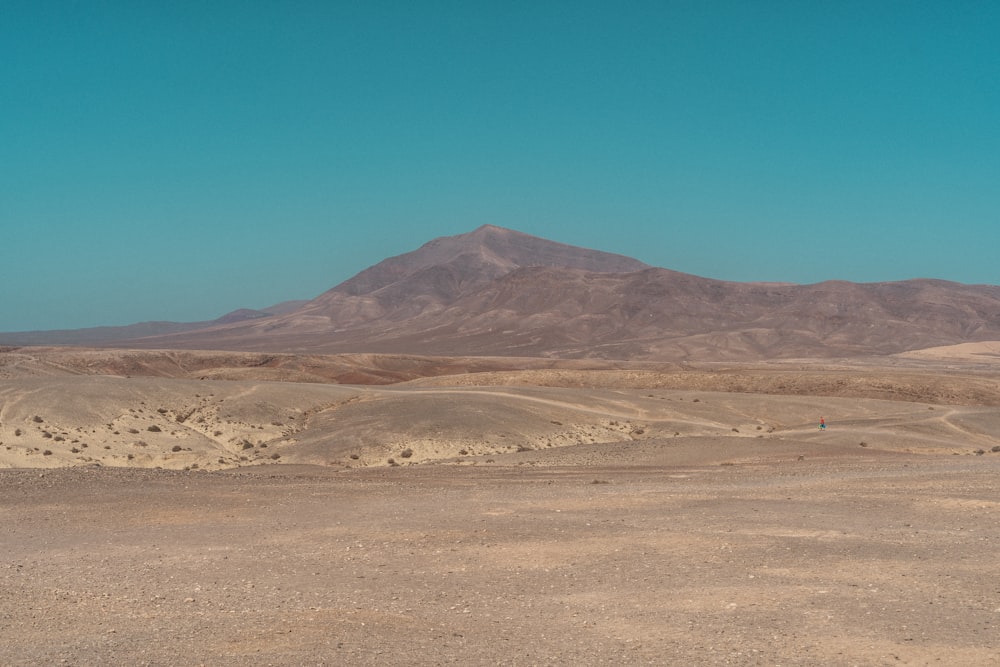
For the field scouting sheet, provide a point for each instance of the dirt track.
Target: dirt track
(877, 558)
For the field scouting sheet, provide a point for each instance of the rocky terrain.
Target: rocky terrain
(503, 450)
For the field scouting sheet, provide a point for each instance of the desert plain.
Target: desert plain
(195, 508)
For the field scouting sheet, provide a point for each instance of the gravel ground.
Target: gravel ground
(852, 561)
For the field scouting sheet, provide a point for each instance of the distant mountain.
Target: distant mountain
(102, 335)
(499, 292)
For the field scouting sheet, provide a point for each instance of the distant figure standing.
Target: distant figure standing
(822, 424)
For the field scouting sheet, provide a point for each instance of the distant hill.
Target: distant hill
(498, 292)
(100, 335)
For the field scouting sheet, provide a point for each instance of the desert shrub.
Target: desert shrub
(247, 445)
(37, 419)
(275, 456)
(980, 452)
(130, 457)
(58, 438)
(153, 428)
(17, 431)
(47, 452)
(392, 462)
(406, 453)
(216, 433)
(463, 452)
(75, 450)
(162, 411)
(355, 457)
(995, 449)
(46, 434)
(132, 430)
(175, 448)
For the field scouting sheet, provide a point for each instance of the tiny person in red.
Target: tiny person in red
(822, 424)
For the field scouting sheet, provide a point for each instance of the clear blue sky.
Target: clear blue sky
(177, 160)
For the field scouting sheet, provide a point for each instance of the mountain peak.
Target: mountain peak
(484, 254)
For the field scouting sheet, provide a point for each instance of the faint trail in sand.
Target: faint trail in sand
(633, 413)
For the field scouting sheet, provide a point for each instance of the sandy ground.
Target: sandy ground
(542, 517)
(873, 559)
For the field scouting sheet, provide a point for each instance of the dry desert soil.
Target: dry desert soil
(554, 516)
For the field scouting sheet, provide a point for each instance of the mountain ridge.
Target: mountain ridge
(495, 291)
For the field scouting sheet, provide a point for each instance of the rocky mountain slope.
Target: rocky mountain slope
(499, 292)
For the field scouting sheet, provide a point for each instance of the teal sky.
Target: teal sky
(179, 160)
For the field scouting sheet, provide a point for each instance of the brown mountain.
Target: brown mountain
(498, 292)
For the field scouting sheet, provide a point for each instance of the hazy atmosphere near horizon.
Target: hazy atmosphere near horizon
(174, 161)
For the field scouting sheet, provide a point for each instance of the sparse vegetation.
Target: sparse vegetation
(153, 428)
(406, 453)
(37, 419)
(176, 448)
